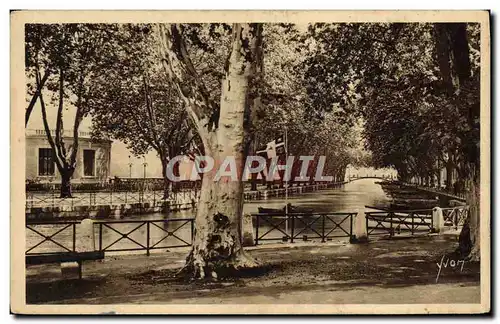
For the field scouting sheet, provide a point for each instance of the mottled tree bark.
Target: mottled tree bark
(217, 246)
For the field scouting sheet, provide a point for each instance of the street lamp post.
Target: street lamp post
(129, 168)
(145, 165)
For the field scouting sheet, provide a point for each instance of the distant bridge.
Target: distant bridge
(355, 177)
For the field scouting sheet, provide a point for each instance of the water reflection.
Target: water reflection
(353, 196)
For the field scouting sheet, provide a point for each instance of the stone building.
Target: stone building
(92, 165)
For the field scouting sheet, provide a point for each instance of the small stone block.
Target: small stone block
(69, 270)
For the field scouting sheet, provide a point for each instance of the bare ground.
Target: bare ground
(380, 272)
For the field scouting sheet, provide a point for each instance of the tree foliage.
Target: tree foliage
(131, 101)
(389, 75)
(62, 60)
(417, 88)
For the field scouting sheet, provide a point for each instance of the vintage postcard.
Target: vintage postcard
(250, 162)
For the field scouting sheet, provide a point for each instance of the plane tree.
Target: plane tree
(416, 86)
(131, 101)
(287, 105)
(61, 60)
(223, 126)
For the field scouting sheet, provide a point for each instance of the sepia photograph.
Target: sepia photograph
(280, 162)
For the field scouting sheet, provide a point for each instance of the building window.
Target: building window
(45, 162)
(88, 163)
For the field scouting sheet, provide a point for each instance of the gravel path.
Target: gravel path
(397, 271)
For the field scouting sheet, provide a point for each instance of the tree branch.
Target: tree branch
(149, 109)
(78, 119)
(61, 150)
(180, 69)
(33, 100)
(47, 129)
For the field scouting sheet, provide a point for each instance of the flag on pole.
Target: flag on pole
(273, 148)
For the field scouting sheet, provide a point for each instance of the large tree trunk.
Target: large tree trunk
(166, 181)
(253, 177)
(473, 220)
(217, 249)
(454, 63)
(66, 183)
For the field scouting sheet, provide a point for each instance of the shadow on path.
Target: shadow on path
(381, 264)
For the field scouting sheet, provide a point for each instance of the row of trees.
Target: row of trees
(212, 89)
(165, 87)
(116, 77)
(416, 86)
(421, 113)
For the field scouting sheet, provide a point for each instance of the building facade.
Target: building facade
(92, 164)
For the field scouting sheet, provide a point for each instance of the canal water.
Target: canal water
(348, 199)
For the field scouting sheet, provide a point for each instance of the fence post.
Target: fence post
(432, 223)
(350, 226)
(292, 230)
(323, 238)
(412, 225)
(74, 237)
(360, 232)
(366, 224)
(100, 236)
(257, 230)
(147, 238)
(437, 220)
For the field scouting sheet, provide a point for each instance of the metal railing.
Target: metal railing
(147, 239)
(397, 222)
(97, 198)
(282, 227)
(52, 229)
(148, 235)
(112, 236)
(110, 196)
(455, 216)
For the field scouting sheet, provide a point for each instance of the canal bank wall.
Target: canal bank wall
(67, 209)
(441, 193)
(445, 198)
